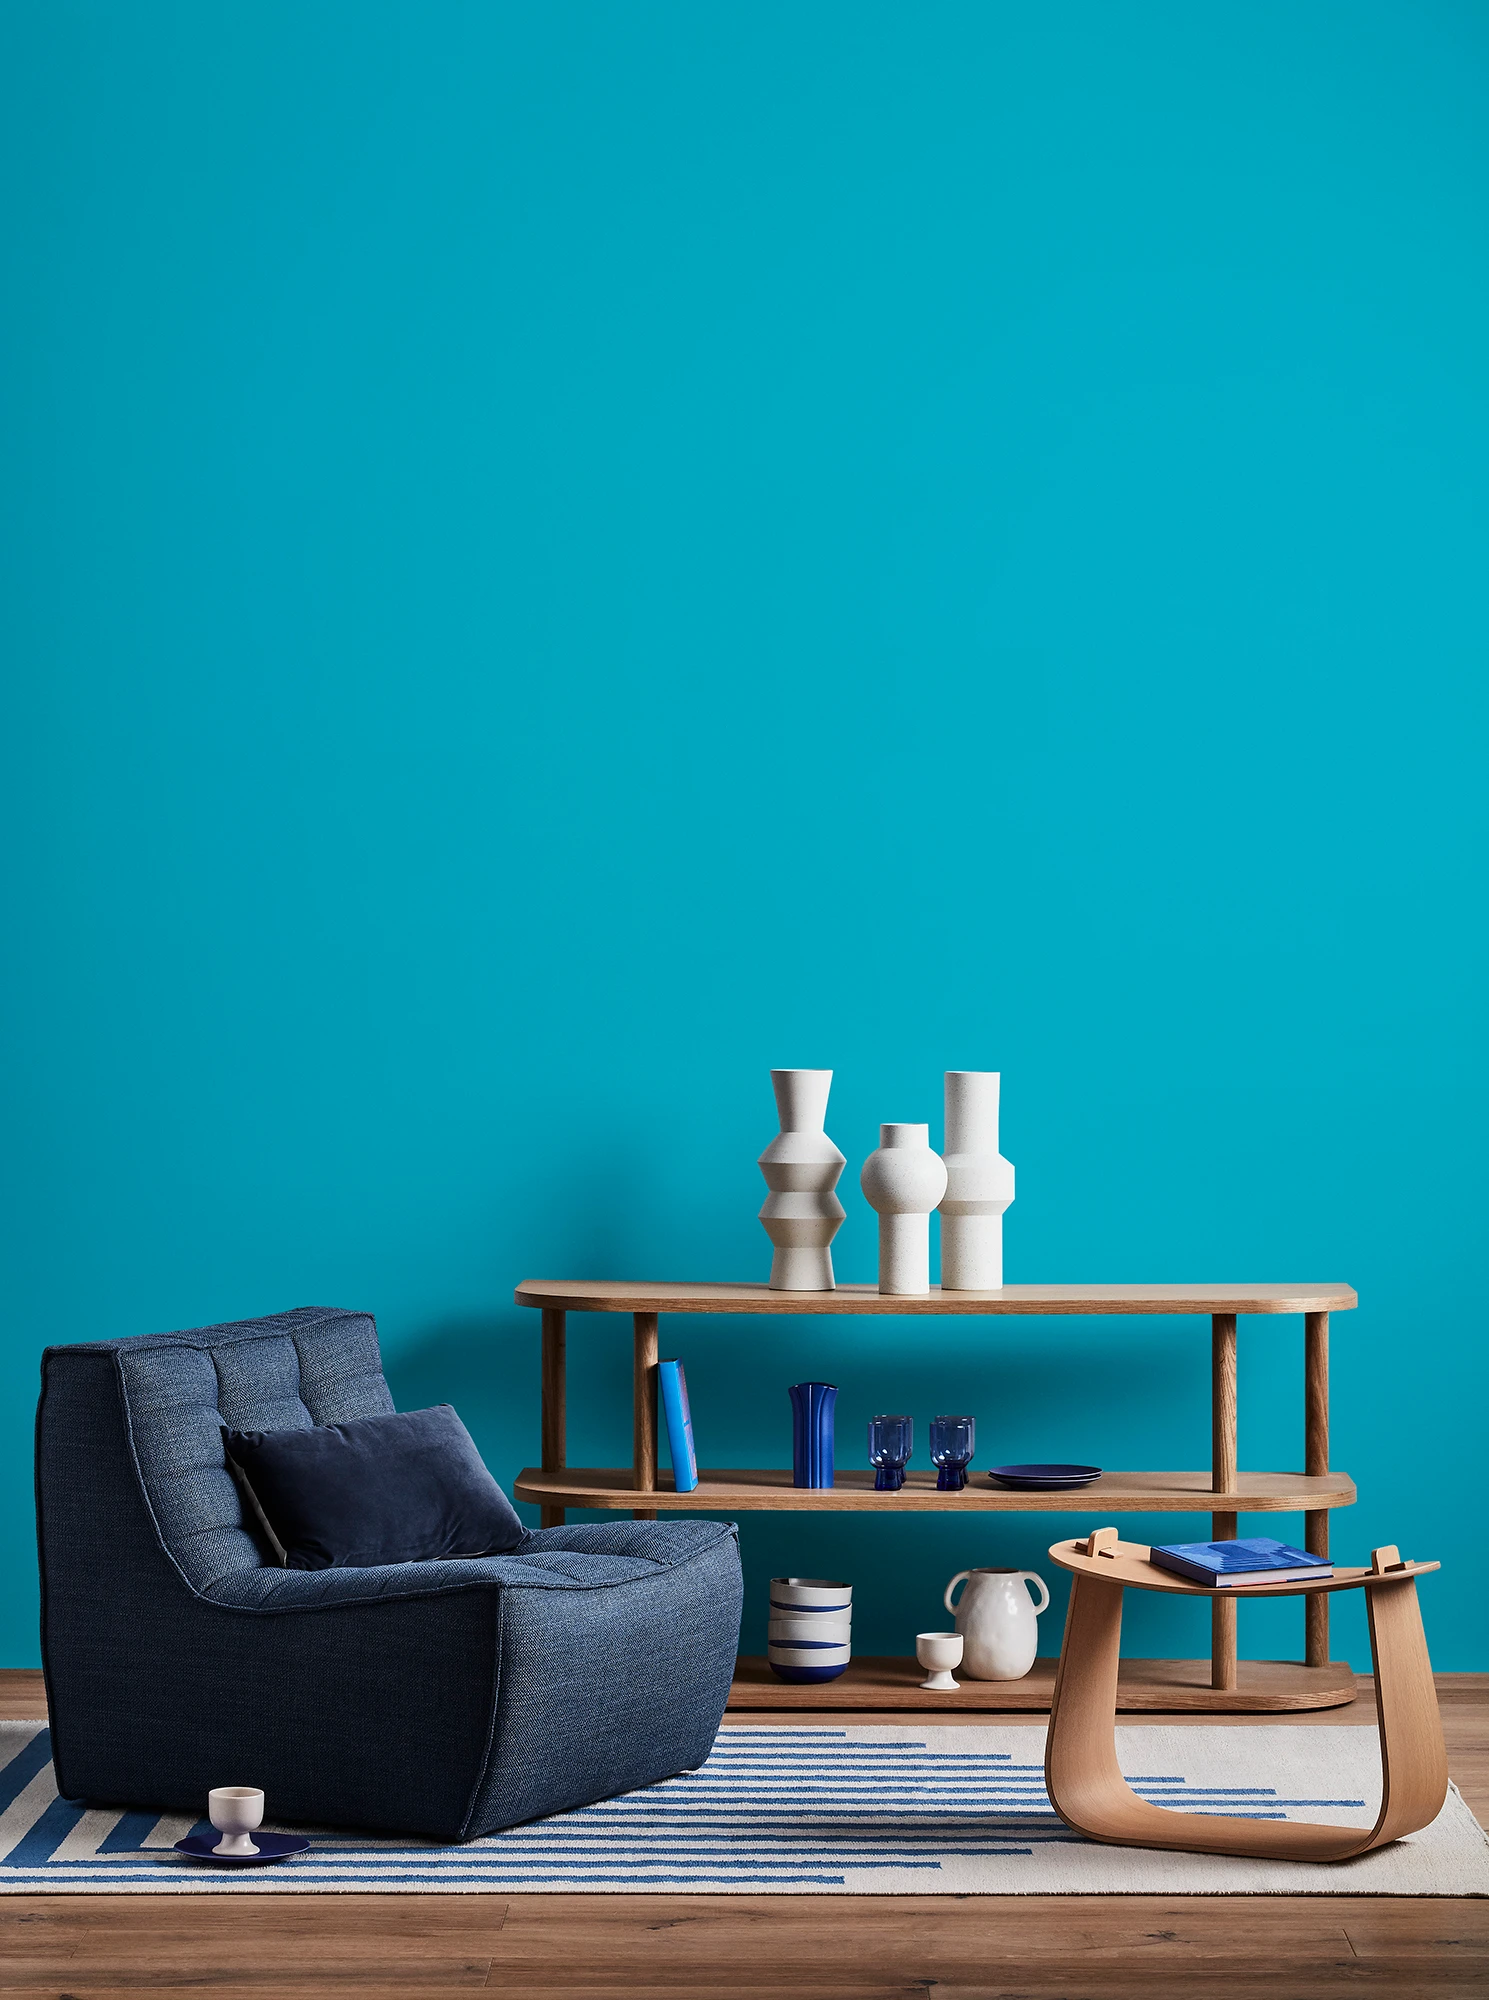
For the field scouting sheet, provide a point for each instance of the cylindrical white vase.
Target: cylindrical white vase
(903, 1181)
(801, 1214)
(979, 1184)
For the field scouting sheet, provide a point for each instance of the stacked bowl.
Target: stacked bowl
(811, 1621)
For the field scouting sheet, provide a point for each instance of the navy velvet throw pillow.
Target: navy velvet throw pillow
(407, 1487)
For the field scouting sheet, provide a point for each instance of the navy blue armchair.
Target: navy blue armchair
(445, 1698)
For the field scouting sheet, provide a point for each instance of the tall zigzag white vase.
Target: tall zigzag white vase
(801, 1214)
(979, 1184)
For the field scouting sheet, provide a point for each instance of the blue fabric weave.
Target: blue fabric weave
(446, 1698)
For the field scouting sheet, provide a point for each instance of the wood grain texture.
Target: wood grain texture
(1127, 1563)
(1085, 1782)
(745, 1489)
(650, 1947)
(614, 1296)
(554, 1403)
(644, 1412)
(588, 1947)
(1262, 1687)
(1224, 1523)
(1223, 1402)
(1316, 1460)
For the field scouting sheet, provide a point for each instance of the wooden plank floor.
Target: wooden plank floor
(774, 1947)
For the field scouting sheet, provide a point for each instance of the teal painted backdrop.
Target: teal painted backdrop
(558, 556)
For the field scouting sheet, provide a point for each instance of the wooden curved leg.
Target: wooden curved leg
(1413, 1756)
(1088, 1791)
(1081, 1773)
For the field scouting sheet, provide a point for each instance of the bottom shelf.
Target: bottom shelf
(1165, 1685)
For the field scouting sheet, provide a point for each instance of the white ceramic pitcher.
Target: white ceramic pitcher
(998, 1622)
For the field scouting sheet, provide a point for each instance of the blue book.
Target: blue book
(674, 1387)
(1230, 1565)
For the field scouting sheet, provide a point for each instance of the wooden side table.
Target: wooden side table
(1223, 1490)
(1086, 1785)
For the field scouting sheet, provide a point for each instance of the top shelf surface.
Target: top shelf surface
(602, 1295)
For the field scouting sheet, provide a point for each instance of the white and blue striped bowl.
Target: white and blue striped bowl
(811, 1625)
(809, 1593)
(808, 1663)
(826, 1629)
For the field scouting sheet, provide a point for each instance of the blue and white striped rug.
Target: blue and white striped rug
(945, 1809)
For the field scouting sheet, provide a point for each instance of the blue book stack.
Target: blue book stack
(1231, 1565)
(674, 1387)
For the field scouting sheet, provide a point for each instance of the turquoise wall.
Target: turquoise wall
(558, 556)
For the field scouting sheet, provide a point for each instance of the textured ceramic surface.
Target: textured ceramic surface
(801, 1214)
(998, 1621)
(979, 1184)
(903, 1181)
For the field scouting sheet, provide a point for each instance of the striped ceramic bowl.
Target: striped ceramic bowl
(809, 1593)
(811, 1625)
(826, 1628)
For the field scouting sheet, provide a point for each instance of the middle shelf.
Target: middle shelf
(770, 1487)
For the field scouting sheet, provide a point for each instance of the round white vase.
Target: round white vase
(998, 1622)
(979, 1184)
(903, 1181)
(801, 1214)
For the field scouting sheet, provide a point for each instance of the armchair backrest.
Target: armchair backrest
(171, 1394)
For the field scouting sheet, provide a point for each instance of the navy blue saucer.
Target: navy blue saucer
(271, 1846)
(1044, 1478)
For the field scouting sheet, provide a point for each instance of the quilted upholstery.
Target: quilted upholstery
(287, 1373)
(445, 1698)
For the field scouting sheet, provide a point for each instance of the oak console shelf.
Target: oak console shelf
(853, 1492)
(1224, 1492)
(1164, 1687)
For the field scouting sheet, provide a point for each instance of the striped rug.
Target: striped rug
(951, 1810)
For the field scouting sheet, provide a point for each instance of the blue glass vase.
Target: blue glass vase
(811, 1432)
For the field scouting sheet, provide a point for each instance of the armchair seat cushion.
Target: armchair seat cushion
(608, 1553)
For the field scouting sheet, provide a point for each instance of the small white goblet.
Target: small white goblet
(940, 1652)
(236, 1811)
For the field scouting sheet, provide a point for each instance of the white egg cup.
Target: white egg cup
(236, 1811)
(939, 1652)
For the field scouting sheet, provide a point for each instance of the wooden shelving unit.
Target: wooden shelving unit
(1224, 1492)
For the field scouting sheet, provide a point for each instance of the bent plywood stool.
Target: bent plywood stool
(1086, 1786)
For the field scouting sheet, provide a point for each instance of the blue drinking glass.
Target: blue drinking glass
(953, 1440)
(891, 1440)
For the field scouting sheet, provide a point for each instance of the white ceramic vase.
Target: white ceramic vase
(979, 1184)
(801, 1214)
(904, 1180)
(998, 1623)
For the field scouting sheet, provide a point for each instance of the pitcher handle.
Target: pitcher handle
(1028, 1576)
(962, 1576)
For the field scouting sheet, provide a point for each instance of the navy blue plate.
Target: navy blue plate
(1044, 1478)
(271, 1846)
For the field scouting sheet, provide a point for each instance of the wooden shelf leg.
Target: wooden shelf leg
(644, 1412)
(1223, 1480)
(1316, 1460)
(555, 1395)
